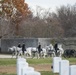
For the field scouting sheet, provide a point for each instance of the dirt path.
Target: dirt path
(6, 56)
(12, 69)
(42, 67)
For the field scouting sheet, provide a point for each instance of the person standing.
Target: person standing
(19, 45)
(23, 48)
(39, 48)
(51, 47)
(56, 48)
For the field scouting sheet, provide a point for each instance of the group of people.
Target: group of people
(39, 47)
(54, 50)
(55, 47)
(24, 47)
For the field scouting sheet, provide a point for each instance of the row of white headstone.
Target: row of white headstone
(23, 68)
(63, 67)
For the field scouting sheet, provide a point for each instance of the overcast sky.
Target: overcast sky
(49, 3)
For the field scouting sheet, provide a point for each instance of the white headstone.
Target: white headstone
(72, 70)
(32, 73)
(26, 69)
(56, 61)
(21, 63)
(21, 59)
(64, 67)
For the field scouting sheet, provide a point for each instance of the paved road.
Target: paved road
(6, 56)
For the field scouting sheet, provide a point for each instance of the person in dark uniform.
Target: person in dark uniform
(39, 48)
(56, 47)
(23, 48)
(19, 45)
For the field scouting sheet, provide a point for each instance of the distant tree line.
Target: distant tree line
(61, 23)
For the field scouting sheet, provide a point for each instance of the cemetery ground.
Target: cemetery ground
(8, 65)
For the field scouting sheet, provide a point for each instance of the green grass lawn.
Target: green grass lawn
(40, 61)
(72, 60)
(6, 62)
(30, 61)
(33, 61)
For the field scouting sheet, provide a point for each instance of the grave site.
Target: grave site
(63, 67)
(37, 37)
(23, 66)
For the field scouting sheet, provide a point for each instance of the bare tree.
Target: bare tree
(67, 19)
